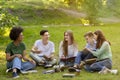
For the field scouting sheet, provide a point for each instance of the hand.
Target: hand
(32, 61)
(88, 49)
(62, 57)
(47, 57)
(36, 51)
(18, 55)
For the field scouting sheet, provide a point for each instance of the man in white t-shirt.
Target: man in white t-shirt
(43, 50)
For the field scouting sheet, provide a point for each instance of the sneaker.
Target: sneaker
(104, 71)
(72, 69)
(82, 64)
(24, 72)
(15, 75)
(57, 68)
(8, 70)
(62, 67)
(114, 72)
(48, 66)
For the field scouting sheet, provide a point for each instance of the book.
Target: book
(68, 75)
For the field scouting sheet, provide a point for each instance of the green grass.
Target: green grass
(31, 34)
(34, 19)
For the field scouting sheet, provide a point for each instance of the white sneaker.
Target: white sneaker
(24, 72)
(8, 70)
(114, 71)
(104, 71)
(56, 66)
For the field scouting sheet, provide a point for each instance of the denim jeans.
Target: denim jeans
(98, 66)
(82, 56)
(17, 63)
(66, 63)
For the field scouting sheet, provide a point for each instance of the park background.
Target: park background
(57, 16)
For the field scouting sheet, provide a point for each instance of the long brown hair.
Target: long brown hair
(65, 43)
(100, 38)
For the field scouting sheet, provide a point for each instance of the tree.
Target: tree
(7, 20)
(92, 8)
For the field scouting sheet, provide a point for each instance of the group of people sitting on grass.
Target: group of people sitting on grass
(96, 55)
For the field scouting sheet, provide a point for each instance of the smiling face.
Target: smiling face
(45, 36)
(66, 36)
(89, 39)
(20, 37)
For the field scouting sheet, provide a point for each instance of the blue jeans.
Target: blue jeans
(82, 56)
(18, 64)
(66, 63)
(98, 66)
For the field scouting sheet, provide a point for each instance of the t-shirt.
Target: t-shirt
(92, 47)
(45, 49)
(72, 50)
(13, 49)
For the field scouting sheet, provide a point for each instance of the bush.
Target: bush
(7, 20)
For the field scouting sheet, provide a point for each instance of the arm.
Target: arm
(103, 48)
(27, 59)
(35, 50)
(9, 58)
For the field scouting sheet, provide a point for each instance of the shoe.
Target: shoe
(8, 70)
(82, 64)
(104, 71)
(114, 72)
(24, 72)
(48, 66)
(72, 69)
(57, 68)
(62, 67)
(32, 71)
(42, 63)
(15, 75)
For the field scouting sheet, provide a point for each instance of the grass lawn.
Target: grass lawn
(36, 18)
(31, 34)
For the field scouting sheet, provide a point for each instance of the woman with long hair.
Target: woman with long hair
(67, 50)
(103, 54)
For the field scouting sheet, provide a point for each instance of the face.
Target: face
(20, 38)
(45, 36)
(89, 39)
(66, 36)
(95, 36)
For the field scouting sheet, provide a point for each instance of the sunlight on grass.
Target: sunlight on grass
(2, 57)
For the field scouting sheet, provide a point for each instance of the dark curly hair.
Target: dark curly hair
(15, 32)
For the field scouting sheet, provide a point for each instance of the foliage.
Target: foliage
(52, 20)
(114, 7)
(7, 20)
